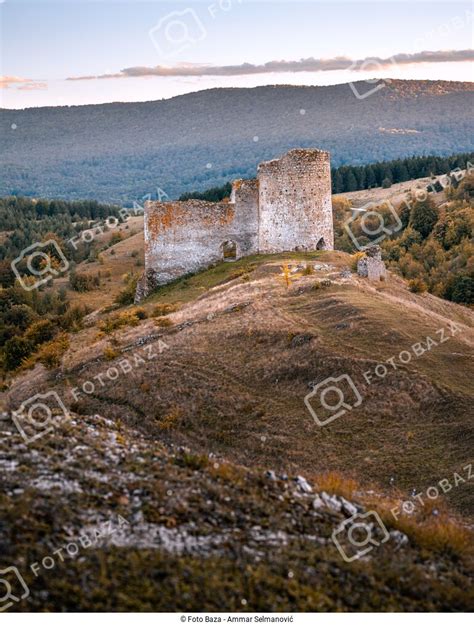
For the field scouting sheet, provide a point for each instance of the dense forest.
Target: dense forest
(434, 248)
(215, 194)
(350, 178)
(34, 324)
(123, 151)
(24, 221)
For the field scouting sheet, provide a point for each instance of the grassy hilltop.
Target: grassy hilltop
(190, 473)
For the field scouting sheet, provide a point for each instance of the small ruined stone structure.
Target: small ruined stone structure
(371, 265)
(287, 207)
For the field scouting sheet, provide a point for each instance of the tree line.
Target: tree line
(384, 174)
(357, 177)
(27, 220)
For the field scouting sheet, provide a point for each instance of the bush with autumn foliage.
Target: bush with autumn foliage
(433, 249)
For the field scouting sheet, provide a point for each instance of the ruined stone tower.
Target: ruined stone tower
(295, 211)
(287, 207)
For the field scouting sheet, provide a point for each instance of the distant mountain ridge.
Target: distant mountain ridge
(120, 152)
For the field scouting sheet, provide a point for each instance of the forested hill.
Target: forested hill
(120, 152)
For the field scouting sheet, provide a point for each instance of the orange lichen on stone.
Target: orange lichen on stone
(227, 215)
(163, 216)
(153, 223)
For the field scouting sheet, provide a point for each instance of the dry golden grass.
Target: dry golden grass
(432, 526)
(160, 310)
(334, 482)
(227, 472)
(171, 419)
(110, 353)
(125, 255)
(440, 533)
(163, 322)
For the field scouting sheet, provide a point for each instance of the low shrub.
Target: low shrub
(160, 310)
(140, 312)
(50, 354)
(115, 238)
(355, 259)
(73, 317)
(111, 353)
(417, 285)
(16, 350)
(127, 318)
(82, 282)
(127, 294)
(196, 462)
(171, 419)
(40, 332)
(163, 322)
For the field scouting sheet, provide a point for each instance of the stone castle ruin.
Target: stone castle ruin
(286, 208)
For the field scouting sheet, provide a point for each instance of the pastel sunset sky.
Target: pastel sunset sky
(74, 52)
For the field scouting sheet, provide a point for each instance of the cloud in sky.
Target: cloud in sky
(32, 86)
(25, 84)
(303, 65)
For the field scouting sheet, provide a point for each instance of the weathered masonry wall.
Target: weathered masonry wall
(184, 237)
(245, 198)
(371, 265)
(295, 211)
(288, 207)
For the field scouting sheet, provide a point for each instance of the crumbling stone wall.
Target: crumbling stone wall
(244, 196)
(371, 265)
(288, 207)
(295, 211)
(185, 237)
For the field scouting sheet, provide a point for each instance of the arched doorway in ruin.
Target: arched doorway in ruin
(229, 251)
(321, 244)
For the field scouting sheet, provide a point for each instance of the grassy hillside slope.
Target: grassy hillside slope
(197, 443)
